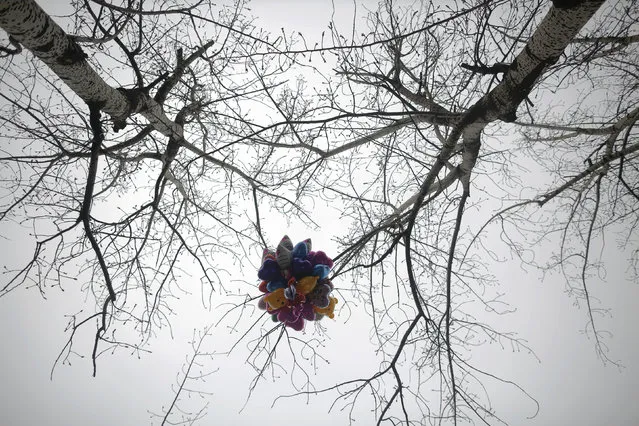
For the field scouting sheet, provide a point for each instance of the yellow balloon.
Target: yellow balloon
(328, 311)
(276, 298)
(306, 285)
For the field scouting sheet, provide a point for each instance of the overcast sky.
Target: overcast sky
(572, 386)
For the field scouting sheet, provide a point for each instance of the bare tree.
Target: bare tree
(137, 206)
(190, 385)
(445, 90)
(429, 104)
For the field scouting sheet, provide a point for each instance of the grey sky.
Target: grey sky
(572, 385)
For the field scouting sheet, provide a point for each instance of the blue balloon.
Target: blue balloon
(321, 271)
(275, 284)
(300, 250)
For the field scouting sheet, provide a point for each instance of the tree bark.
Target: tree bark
(555, 32)
(27, 23)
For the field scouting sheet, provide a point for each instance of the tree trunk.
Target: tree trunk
(556, 31)
(26, 22)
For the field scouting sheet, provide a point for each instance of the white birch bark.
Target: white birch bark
(26, 22)
(555, 32)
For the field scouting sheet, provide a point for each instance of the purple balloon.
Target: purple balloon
(319, 295)
(319, 258)
(301, 268)
(269, 271)
(287, 315)
(297, 325)
(306, 311)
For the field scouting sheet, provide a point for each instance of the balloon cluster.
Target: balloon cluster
(295, 283)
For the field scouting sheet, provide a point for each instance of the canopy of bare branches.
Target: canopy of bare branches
(144, 145)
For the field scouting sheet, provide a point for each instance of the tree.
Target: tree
(201, 83)
(441, 86)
